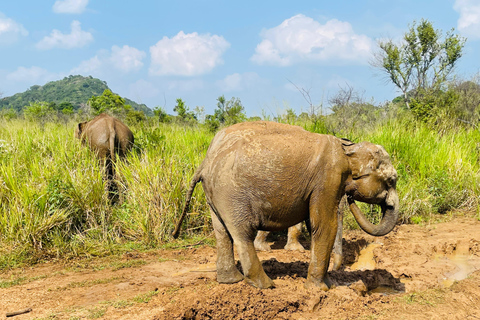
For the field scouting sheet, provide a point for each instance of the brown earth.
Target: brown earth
(415, 272)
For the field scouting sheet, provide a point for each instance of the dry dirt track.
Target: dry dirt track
(418, 272)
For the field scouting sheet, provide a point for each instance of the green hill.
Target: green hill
(74, 89)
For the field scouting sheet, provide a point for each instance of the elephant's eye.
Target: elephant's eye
(360, 177)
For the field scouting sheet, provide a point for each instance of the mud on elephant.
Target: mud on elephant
(270, 176)
(107, 137)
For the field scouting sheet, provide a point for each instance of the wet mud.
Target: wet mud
(415, 272)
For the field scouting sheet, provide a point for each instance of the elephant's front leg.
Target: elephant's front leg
(227, 271)
(323, 221)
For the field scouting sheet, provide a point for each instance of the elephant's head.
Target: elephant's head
(372, 179)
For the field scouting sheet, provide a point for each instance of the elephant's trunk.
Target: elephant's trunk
(389, 220)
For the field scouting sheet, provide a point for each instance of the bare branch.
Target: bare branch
(306, 95)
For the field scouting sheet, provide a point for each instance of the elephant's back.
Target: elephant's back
(267, 150)
(259, 136)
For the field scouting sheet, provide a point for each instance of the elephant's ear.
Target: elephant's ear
(359, 158)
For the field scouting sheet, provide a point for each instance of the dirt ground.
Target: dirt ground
(415, 272)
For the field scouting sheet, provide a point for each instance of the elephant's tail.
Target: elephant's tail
(111, 157)
(196, 179)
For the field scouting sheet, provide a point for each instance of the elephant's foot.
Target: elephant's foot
(229, 276)
(337, 261)
(294, 246)
(262, 281)
(322, 284)
(261, 246)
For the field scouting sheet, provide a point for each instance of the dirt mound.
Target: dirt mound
(244, 302)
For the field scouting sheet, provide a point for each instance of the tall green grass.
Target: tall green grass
(437, 172)
(53, 201)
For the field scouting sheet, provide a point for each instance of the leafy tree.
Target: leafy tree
(181, 109)
(350, 111)
(255, 118)
(161, 114)
(42, 111)
(66, 108)
(289, 117)
(457, 105)
(109, 102)
(135, 116)
(8, 114)
(422, 62)
(183, 112)
(467, 108)
(228, 112)
(200, 113)
(212, 123)
(219, 114)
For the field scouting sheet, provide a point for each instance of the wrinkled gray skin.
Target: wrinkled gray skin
(294, 233)
(270, 176)
(106, 136)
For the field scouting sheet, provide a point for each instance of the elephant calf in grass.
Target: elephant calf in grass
(270, 176)
(107, 137)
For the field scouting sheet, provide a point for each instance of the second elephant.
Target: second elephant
(295, 231)
(107, 137)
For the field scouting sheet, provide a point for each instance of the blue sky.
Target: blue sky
(154, 52)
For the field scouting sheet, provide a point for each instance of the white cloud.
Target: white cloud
(301, 38)
(32, 75)
(10, 30)
(70, 6)
(469, 20)
(239, 82)
(89, 67)
(125, 59)
(187, 54)
(76, 39)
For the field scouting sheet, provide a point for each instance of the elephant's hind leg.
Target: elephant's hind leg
(252, 268)
(293, 243)
(260, 242)
(227, 272)
(337, 247)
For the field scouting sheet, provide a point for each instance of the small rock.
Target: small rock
(359, 287)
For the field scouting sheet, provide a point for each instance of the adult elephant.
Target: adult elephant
(107, 137)
(270, 176)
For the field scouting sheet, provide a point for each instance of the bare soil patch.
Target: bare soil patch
(415, 272)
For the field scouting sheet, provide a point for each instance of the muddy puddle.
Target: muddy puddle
(366, 258)
(464, 264)
(366, 261)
